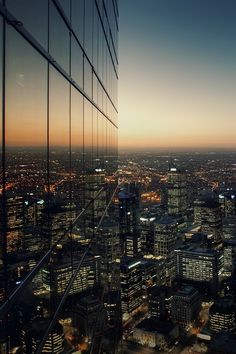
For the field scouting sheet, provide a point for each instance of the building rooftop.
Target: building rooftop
(166, 220)
(154, 325)
(186, 290)
(223, 343)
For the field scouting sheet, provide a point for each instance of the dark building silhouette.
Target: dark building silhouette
(130, 238)
(208, 214)
(177, 192)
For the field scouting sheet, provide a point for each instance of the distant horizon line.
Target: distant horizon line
(133, 148)
(178, 149)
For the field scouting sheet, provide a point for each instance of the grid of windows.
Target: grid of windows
(58, 83)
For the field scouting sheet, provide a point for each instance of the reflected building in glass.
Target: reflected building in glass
(58, 84)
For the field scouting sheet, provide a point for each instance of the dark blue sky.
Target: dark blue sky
(179, 53)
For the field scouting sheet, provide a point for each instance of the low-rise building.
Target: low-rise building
(154, 333)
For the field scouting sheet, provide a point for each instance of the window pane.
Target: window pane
(59, 38)
(88, 27)
(95, 38)
(34, 16)
(59, 157)
(65, 4)
(26, 158)
(95, 89)
(88, 136)
(1, 172)
(87, 78)
(76, 62)
(77, 18)
(96, 163)
(100, 140)
(76, 147)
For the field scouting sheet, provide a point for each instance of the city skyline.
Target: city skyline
(111, 253)
(177, 74)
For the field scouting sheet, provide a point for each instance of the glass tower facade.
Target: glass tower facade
(58, 107)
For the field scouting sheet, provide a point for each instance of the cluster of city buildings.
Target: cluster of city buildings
(58, 159)
(179, 268)
(86, 262)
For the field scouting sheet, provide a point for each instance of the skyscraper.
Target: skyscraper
(185, 305)
(131, 287)
(177, 192)
(165, 238)
(130, 239)
(58, 81)
(198, 266)
(207, 212)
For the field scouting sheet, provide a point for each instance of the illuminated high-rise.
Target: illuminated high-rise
(177, 192)
(58, 112)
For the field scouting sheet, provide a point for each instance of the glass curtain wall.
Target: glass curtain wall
(58, 108)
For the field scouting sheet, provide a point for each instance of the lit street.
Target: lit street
(182, 348)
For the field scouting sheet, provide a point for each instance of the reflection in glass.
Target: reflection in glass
(76, 62)
(59, 152)
(76, 147)
(77, 18)
(59, 38)
(88, 136)
(100, 139)
(95, 89)
(65, 4)
(34, 17)
(1, 171)
(88, 27)
(26, 122)
(87, 78)
(95, 139)
(95, 38)
(58, 217)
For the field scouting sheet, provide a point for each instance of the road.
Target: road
(182, 348)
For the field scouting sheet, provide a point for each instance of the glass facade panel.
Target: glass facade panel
(88, 27)
(87, 78)
(34, 17)
(77, 18)
(77, 67)
(25, 160)
(95, 89)
(58, 146)
(95, 38)
(1, 167)
(95, 139)
(65, 4)
(59, 38)
(101, 140)
(59, 157)
(88, 136)
(77, 140)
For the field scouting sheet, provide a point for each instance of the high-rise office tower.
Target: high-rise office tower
(229, 227)
(199, 266)
(227, 202)
(222, 315)
(159, 302)
(130, 239)
(208, 214)
(185, 305)
(165, 237)
(108, 247)
(177, 192)
(131, 287)
(229, 257)
(146, 226)
(58, 112)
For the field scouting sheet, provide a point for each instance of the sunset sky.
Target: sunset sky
(177, 73)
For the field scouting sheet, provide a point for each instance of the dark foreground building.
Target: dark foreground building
(58, 112)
